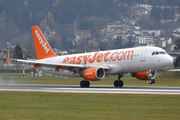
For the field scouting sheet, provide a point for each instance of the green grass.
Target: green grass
(62, 106)
(68, 106)
(166, 79)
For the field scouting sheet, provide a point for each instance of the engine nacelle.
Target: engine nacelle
(146, 75)
(94, 74)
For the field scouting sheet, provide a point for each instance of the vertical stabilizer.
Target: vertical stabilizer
(43, 49)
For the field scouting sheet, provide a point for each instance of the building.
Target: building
(130, 33)
(82, 34)
(117, 27)
(145, 40)
(3, 54)
(165, 41)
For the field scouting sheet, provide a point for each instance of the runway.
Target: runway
(91, 89)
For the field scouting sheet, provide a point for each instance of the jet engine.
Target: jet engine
(94, 74)
(146, 75)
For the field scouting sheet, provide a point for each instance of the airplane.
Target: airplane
(140, 62)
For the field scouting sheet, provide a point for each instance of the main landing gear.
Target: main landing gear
(85, 83)
(151, 81)
(118, 83)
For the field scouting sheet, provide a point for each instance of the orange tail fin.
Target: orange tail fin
(43, 49)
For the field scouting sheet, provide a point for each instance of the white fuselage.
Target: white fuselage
(120, 61)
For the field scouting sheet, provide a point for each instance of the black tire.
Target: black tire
(82, 84)
(120, 83)
(87, 84)
(152, 81)
(116, 83)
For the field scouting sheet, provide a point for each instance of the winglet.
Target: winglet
(7, 59)
(43, 49)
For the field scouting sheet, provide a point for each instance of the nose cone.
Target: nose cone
(168, 60)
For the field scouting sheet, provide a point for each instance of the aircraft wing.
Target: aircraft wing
(58, 65)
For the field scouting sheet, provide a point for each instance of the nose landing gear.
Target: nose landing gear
(151, 81)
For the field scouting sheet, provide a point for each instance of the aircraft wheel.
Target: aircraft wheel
(116, 83)
(87, 84)
(82, 84)
(120, 83)
(152, 81)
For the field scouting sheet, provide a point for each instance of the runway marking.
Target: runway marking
(134, 91)
(92, 89)
(125, 91)
(101, 89)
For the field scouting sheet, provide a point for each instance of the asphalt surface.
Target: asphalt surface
(91, 89)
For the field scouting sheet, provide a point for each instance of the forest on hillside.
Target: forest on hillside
(26, 13)
(66, 16)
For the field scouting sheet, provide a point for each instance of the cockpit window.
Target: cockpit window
(153, 53)
(162, 52)
(158, 52)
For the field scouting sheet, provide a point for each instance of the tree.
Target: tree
(26, 3)
(131, 42)
(52, 43)
(177, 45)
(119, 42)
(50, 17)
(64, 42)
(50, 20)
(177, 62)
(146, 1)
(18, 54)
(43, 25)
(30, 15)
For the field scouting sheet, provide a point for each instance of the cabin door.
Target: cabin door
(142, 55)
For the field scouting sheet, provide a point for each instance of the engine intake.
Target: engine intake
(94, 74)
(146, 75)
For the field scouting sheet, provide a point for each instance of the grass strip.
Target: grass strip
(64, 106)
(166, 79)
